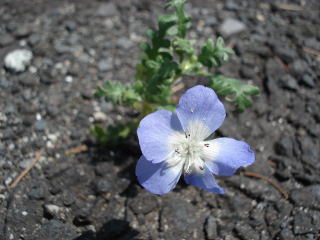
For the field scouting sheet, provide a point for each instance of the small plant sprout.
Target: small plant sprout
(175, 144)
(167, 57)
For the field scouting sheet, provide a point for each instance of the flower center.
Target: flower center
(187, 151)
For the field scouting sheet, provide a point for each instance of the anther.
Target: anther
(206, 145)
(177, 150)
(201, 168)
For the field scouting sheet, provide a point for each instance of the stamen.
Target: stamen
(206, 145)
(177, 150)
(187, 166)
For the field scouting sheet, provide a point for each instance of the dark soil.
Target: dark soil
(94, 194)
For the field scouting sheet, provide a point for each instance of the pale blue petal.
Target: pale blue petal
(153, 133)
(203, 179)
(225, 155)
(200, 108)
(157, 178)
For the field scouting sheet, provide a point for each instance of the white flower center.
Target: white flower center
(188, 149)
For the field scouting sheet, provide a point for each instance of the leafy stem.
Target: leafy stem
(167, 56)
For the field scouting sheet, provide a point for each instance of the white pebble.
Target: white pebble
(99, 116)
(18, 60)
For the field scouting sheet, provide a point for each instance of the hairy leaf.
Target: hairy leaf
(214, 53)
(240, 92)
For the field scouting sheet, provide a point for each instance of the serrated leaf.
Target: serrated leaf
(118, 93)
(241, 92)
(166, 22)
(213, 54)
(183, 46)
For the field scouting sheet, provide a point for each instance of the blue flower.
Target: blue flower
(173, 144)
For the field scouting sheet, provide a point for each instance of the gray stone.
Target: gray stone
(22, 30)
(298, 196)
(25, 163)
(103, 168)
(68, 198)
(286, 234)
(308, 81)
(286, 54)
(105, 65)
(40, 125)
(103, 186)
(310, 152)
(211, 227)
(312, 43)
(18, 60)
(284, 146)
(48, 76)
(34, 39)
(274, 70)
(288, 82)
(38, 191)
(231, 26)
(303, 223)
(299, 67)
(124, 43)
(55, 230)
(28, 79)
(71, 25)
(4, 83)
(143, 203)
(10, 109)
(83, 216)
(246, 232)
(180, 219)
(232, 5)
(5, 39)
(211, 21)
(107, 10)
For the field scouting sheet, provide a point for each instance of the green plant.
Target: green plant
(168, 56)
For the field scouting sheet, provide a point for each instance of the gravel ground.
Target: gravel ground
(46, 102)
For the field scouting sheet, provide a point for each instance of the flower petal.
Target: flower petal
(225, 155)
(203, 179)
(153, 133)
(158, 178)
(200, 108)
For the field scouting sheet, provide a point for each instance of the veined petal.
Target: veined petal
(224, 156)
(153, 133)
(200, 111)
(203, 179)
(158, 178)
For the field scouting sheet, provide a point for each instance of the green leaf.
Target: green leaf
(237, 92)
(118, 93)
(174, 3)
(183, 46)
(213, 54)
(112, 134)
(165, 23)
(100, 134)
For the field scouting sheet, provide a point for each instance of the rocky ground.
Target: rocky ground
(46, 102)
